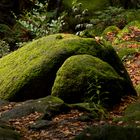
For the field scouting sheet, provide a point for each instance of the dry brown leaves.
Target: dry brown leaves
(111, 36)
(133, 68)
(133, 35)
(66, 126)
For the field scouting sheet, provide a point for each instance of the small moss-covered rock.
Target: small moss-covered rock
(93, 111)
(126, 50)
(129, 33)
(30, 71)
(41, 124)
(110, 132)
(131, 114)
(51, 105)
(125, 53)
(110, 33)
(82, 76)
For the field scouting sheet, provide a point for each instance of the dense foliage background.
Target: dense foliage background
(24, 20)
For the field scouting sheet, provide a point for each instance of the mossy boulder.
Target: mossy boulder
(30, 71)
(110, 132)
(82, 76)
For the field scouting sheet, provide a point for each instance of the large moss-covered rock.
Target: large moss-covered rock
(84, 76)
(30, 71)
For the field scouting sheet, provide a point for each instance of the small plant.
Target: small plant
(95, 97)
(4, 48)
(81, 16)
(56, 25)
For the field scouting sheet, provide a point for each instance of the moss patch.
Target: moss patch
(131, 114)
(7, 134)
(110, 33)
(137, 87)
(126, 31)
(108, 132)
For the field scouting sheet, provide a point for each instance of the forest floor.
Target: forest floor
(67, 125)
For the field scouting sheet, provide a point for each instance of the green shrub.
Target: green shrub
(40, 22)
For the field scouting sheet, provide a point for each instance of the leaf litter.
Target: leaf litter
(67, 126)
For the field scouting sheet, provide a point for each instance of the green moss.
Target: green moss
(80, 72)
(110, 33)
(51, 105)
(30, 71)
(109, 132)
(131, 114)
(132, 14)
(8, 134)
(126, 50)
(137, 87)
(125, 31)
(93, 110)
(124, 53)
(111, 29)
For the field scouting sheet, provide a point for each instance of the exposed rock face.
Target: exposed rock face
(30, 72)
